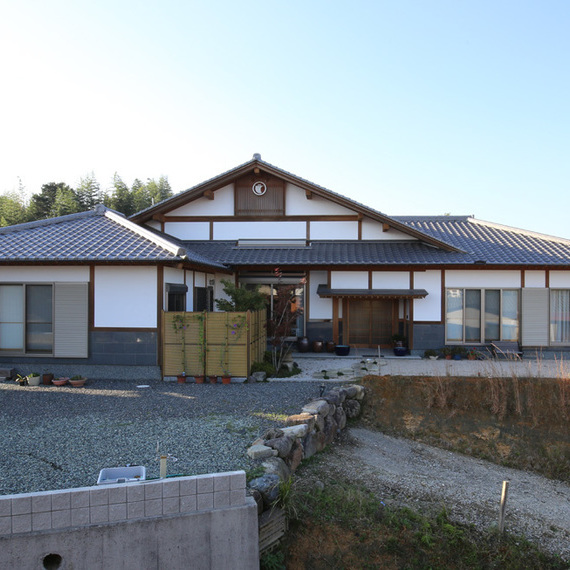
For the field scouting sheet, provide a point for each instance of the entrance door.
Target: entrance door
(370, 322)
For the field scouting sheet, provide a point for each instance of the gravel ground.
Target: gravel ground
(59, 437)
(407, 473)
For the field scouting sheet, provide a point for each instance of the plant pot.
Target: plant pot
(199, 379)
(303, 344)
(213, 379)
(317, 346)
(181, 378)
(400, 350)
(47, 378)
(330, 346)
(342, 350)
(77, 382)
(34, 380)
(226, 379)
(60, 381)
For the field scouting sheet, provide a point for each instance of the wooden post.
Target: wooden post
(503, 506)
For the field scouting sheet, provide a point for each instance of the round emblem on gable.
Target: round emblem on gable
(259, 188)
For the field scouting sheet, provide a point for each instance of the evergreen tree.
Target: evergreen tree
(88, 193)
(121, 198)
(42, 204)
(65, 203)
(12, 209)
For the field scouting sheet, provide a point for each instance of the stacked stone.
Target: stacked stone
(281, 450)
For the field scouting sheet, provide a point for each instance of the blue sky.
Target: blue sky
(411, 107)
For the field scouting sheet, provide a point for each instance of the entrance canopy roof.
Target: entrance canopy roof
(324, 291)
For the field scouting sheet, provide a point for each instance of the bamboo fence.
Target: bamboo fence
(212, 343)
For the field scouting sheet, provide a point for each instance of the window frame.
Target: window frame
(26, 321)
(482, 313)
(551, 329)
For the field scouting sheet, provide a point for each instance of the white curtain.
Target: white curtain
(560, 316)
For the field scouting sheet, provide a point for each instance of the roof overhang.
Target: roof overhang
(327, 292)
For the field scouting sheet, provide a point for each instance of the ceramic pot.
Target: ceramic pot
(181, 379)
(33, 380)
(331, 346)
(303, 344)
(199, 379)
(47, 378)
(317, 346)
(213, 379)
(77, 382)
(342, 350)
(226, 379)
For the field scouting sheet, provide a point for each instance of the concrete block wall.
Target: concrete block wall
(155, 522)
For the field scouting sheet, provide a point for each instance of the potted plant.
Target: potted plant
(472, 354)
(47, 377)
(21, 380)
(34, 379)
(431, 354)
(399, 343)
(61, 381)
(458, 352)
(77, 381)
(446, 352)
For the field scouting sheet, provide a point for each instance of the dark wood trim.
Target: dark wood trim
(523, 278)
(308, 232)
(547, 278)
(159, 309)
(335, 320)
(370, 279)
(443, 296)
(211, 230)
(359, 228)
(264, 218)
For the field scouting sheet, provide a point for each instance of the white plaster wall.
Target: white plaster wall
(221, 205)
(125, 297)
(188, 230)
(429, 308)
(199, 279)
(349, 279)
(484, 279)
(153, 224)
(334, 230)
(559, 279)
(296, 204)
(535, 279)
(318, 308)
(373, 231)
(44, 274)
(259, 230)
(390, 280)
(219, 287)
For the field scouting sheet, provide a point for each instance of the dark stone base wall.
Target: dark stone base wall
(429, 336)
(125, 348)
(112, 355)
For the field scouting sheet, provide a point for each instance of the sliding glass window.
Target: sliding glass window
(26, 319)
(482, 315)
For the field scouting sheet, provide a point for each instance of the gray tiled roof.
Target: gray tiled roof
(479, 242)
(493, 243)
(97, 235)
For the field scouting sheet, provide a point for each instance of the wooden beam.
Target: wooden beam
(385, 227)
(308, 195)
(209, 194)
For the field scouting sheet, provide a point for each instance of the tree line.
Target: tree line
(59, 199)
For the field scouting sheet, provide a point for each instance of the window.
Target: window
(482, 315)
(44, 320)
(26, 318)
(560, 316)
(203, 299)
(176, 297)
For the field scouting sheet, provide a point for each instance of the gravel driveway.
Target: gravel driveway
(408, 473)
(59, 437)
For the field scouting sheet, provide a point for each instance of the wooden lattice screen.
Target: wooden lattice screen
(212, 343)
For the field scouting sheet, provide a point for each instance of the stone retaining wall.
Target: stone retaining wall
(281, 450)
